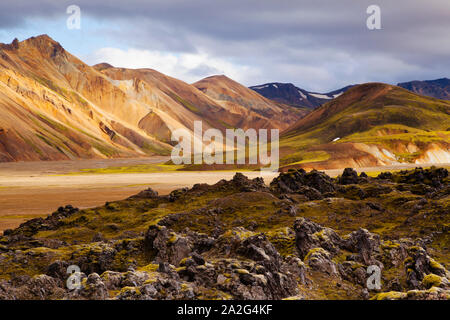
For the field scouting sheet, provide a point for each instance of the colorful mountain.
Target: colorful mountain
(370, 125)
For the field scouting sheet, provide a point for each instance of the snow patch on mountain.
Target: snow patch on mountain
(319, 95)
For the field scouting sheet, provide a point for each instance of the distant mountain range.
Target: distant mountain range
(439, 88)
(288, 93)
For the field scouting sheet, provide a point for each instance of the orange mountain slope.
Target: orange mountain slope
(239, 99)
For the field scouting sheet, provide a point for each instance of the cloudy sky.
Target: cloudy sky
(318, 45)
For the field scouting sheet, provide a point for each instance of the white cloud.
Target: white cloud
(185, 66)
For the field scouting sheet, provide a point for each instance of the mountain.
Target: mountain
(246, 106)
(439, 88)
(53, 106)
(370, 125)
(288, 93)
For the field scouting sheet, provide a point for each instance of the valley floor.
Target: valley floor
(35, 189)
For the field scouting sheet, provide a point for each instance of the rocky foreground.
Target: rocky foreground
(306, 236)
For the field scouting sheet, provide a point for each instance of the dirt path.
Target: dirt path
(36, 189)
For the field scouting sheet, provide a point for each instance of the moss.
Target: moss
(283, 240)
(431, 280)
(408, 157)
(180, 269)
(241, 233)
(106, 150)
(183, 261)
(435, 265)
(151, 280)
(342, 257)
(212, 294)
(408, 260)
(305, 157)
(242, 271)
(315, 251)
(321, 235)
(299, 297)
(134, 290)
(184, 287)
(389, 245)
(54, 87)
(173, 238)
(391, 295)
(415, 249)
(187, 104)
(357, 265)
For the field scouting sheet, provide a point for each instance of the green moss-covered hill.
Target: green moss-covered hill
(370, 124)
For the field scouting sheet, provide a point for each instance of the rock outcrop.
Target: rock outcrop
(240, 239)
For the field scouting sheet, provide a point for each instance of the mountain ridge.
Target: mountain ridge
(439, 88)
(290, 94)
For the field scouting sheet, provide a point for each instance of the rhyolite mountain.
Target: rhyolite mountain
(439, 88)
(247, 106)
(288, 93)
(372, 124)
(53, 106)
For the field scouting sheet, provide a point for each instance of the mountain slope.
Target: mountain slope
(369, 125)
(53, 106)
(289, 94)
(243, 101)
(439, 88)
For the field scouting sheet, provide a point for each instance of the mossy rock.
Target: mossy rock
(431, 280)
(391, 295)
(316, 251)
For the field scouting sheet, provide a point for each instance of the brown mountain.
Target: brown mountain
(370, 125)
(248, 106)
(53, 106)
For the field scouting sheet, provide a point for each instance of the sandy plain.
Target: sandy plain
(36, 189)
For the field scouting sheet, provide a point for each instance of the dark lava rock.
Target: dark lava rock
(349, 176)
(177, 194)
(366, 244)
(146, 194)
(244, 184)
(309, 235)
(58, 269)
(296, 181)
(33, 226)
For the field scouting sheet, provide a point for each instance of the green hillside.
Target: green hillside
(374, 114)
